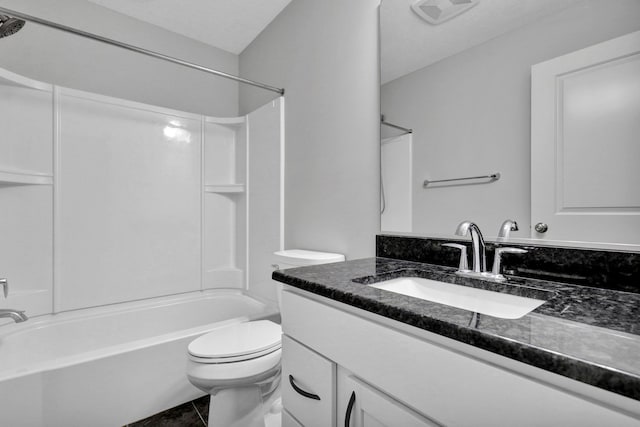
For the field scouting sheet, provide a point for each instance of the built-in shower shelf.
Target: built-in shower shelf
(224, 188)
(19, 178)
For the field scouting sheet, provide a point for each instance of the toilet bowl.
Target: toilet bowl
(239, 364)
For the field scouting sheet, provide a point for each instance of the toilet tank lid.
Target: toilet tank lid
(305, 257)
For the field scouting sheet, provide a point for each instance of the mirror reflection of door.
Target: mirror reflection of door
(585, 144)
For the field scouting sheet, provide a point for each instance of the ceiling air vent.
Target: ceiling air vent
(437, 11)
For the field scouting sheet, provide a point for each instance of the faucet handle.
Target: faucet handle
(497, 259)
(463, 266)
(5, 287)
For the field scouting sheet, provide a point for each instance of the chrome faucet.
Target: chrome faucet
(506, 228)
(17, 315)
(479, 251)
(477, 242)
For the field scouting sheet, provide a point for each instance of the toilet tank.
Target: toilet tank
(300, 258)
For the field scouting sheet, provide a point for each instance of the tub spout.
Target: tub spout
(17, 315)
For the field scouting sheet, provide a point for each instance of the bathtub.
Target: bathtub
(110, 366)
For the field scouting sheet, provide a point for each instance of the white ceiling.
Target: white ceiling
(408, 43)
(230, 25)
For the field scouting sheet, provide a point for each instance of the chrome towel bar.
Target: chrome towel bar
(391, 125)
(492, 177)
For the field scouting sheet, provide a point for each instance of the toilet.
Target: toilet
(239, 364)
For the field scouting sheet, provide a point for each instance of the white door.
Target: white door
(367, 407)
(585, 144)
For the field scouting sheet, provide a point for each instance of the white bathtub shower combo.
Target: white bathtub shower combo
(129, 230)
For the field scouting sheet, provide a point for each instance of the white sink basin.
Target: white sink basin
(491, 303)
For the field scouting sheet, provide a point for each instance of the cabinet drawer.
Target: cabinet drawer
(308, 384)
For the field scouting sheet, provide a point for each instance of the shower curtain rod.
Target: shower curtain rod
(405, 130)
(143, 51)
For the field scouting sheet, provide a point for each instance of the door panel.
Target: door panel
(585, 145)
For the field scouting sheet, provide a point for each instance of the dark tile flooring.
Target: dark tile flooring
(190, 414)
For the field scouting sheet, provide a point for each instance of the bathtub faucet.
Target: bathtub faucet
(17, 315)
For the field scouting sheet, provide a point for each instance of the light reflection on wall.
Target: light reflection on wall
(175, 133)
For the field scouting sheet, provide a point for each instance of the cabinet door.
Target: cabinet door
(289, 421)
(364, 406)
(308, 384)
(584, 144)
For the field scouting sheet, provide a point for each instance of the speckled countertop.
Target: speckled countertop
(587, 334)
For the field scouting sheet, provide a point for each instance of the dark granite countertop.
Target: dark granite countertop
(587, 334)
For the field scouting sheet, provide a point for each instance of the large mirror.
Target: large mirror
(456, 101)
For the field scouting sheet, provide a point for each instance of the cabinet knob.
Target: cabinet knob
(541, 227)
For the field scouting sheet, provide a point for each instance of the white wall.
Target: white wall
(127, 201)
(325, 54)
(471, 115)
(50, 55)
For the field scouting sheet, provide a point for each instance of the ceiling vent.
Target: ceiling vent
(437, 11)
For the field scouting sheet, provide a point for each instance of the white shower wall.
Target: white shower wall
(128, 201)
(141, 201)
(397, 184)
(265, 195)
(26, 192)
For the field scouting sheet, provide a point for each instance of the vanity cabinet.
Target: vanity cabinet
(405, 376)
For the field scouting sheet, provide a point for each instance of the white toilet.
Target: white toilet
(239, 364)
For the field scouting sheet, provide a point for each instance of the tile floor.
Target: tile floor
(196, 413)
(190, 414)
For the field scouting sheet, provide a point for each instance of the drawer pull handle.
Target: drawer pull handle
(347, 416)
(301, 391)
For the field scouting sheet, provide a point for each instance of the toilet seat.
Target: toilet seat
(237, 342)
(213, 375)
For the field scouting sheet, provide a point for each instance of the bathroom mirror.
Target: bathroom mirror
(463, 87)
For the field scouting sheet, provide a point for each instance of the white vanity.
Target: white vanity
(399, 375)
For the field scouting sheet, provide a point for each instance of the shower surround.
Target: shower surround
(127, 234)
